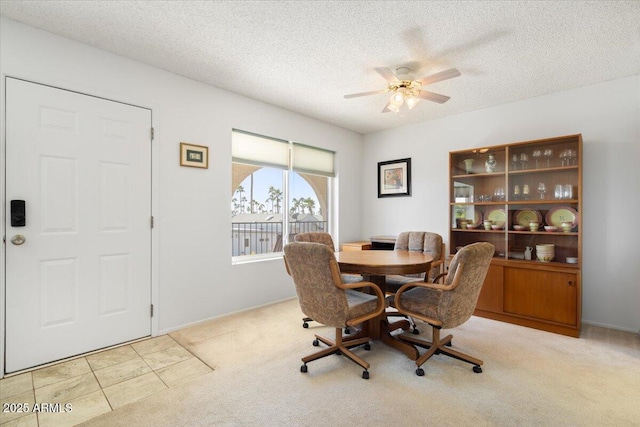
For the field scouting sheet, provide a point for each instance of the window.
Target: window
(276, 185)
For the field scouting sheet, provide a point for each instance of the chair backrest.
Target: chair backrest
(456, 306)
(429, 243)
(315, 273)
(316, 237)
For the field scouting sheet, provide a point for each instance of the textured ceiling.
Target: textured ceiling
(305, 55)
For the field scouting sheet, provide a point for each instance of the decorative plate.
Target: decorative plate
(560, 214)
(477, 218)
(525, 216)
(498, 216)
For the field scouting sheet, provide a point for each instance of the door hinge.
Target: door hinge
(151, 221)
(153, 133)
(151, 310)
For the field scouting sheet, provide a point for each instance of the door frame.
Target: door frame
(155, 173)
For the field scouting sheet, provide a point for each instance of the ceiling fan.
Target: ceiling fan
(405, 88)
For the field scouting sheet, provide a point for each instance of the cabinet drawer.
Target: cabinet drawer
(541, 294)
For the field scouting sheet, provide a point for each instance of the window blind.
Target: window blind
(313, 160)
(258, 150)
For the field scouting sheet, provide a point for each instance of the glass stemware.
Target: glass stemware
(572, 157)
(564, 157)
(542, 189)
(524, 159)
(515, 162)
(548, 153)
(536, 155)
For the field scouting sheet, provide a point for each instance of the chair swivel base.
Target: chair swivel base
(339, 347)
(439, 346)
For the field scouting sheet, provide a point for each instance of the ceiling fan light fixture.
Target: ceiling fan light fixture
(397, 99)
(412, 101)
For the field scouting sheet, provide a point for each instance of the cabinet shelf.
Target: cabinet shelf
(544, 295)
(542, 170)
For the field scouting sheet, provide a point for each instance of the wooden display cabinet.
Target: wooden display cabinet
(530, 292)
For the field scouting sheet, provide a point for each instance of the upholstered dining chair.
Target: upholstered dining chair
(418, 241)
(424, 241)
(447, 305)
(324, 297)
(325, 239)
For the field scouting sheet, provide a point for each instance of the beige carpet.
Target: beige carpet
(530, 378)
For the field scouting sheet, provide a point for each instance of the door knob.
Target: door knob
(18, 239)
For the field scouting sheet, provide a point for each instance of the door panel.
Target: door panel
(81, 281)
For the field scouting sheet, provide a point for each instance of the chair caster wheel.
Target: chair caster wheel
(305, 325)
(367, 346)
(416, 331)
(477, 369)
(420, 372)
(303, 368)
(316, 343)
(449, 344)
(365, 375)
(347, 331)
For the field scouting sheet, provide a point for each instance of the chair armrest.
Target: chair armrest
(382, 305)
(438, 277)
(433, 286)
(286, 265)
(402, 310)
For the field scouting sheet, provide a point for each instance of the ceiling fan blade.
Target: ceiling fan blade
(435, 97)
(438, 77)
(387, 74)
(373, 92)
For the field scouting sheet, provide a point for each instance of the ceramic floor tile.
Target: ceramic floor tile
(111, 357)
(122, 372)
(181, 372)
(24, 402)
(52, 374)
(134, 389)
(64, 391)
(30, 420)
(153, 345)
(82, 409)
(15, 385)
(166, 357)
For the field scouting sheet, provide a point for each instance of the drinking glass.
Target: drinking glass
(515, 161)
(572, 156)
(567, 191)
(548, 153)
(542, 189)
(536, 155)
(557, 192)
(524, 159)
(564, 157)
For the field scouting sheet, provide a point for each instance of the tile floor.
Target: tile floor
(89, 386)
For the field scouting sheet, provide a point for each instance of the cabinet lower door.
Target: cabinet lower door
(541, 294)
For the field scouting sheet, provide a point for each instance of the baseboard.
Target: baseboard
(197, 322)
(606, 325)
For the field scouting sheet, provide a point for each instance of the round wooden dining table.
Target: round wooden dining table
(374, 267)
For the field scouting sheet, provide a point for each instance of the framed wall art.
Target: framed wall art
(195, 156)
(394, 178)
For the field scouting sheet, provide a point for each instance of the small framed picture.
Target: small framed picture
(394, 178)
(195, 156)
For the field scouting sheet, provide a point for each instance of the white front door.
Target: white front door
(81, 279)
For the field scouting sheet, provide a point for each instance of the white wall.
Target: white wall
(608, 117)
(194, 276)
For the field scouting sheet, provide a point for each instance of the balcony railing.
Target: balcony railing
(253, 238)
